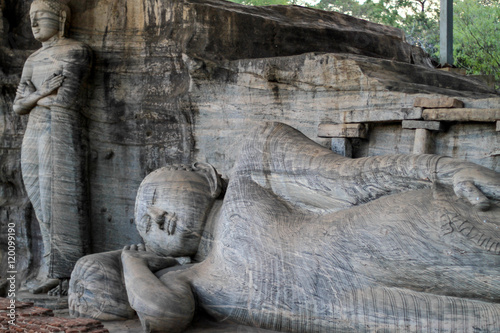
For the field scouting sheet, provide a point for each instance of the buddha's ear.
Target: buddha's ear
(63, 16)
(213, 178)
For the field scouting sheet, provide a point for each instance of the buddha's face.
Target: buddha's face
(171, 209)
(45, 22)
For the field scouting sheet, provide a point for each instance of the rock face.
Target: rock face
(309, 89)
(175, 81)
(278, 31)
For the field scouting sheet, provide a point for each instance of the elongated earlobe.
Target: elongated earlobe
(212, 177)
(62, 23)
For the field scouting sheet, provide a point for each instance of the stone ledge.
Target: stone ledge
(463, 114)
(342, 131)
(418, 124)
(380, 115)
(437, 103)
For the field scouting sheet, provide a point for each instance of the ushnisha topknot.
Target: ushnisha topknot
(203, 169)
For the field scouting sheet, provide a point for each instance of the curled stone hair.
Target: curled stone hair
(204, 169)
(175, 167)
(55, 5)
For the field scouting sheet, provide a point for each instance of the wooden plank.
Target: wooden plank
(342, 131)
(486, 115)
(419, 124)
(380, 115)
(436, 103)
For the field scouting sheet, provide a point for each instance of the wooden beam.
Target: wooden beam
(485, 115)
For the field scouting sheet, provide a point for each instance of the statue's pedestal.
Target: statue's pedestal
(32, 318)
(43, 300)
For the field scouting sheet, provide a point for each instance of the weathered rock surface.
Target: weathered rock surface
(179, 80)
(309, 89)
(432, 103)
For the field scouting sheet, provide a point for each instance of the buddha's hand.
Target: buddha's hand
(154, 261)
(477, 184)
(25, 89)
(51, 84)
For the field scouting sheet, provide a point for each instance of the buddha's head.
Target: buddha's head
(172, 206)
(49, 18)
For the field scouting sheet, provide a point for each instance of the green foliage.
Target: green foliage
(381, 11)
(419, 19)
(421, 25)
(476, 36)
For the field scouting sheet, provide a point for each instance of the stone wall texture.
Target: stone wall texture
(180, 81)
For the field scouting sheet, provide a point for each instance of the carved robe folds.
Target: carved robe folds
(53, 153)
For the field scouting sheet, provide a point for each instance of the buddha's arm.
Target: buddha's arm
(372, 177)
(27, 96)
(473, 182)
(298, 169)
(331, 182)
(166, 306)
(75, 71)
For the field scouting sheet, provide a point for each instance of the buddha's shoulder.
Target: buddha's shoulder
(72, 51)
(67, 46)
(73, 45)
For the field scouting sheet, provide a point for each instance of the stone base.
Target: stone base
(26, 318)
(200, 325)
(43, 300)
(205, 325)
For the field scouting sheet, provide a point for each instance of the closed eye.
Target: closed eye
(146, 219)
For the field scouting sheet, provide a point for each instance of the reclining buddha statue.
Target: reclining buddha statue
(304, 240)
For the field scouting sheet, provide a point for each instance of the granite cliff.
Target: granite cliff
(179, 81)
